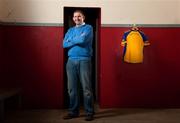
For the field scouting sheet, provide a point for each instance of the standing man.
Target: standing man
(78, 41)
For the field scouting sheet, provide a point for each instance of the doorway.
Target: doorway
(92, 17)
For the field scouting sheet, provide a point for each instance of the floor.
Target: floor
(123, 115)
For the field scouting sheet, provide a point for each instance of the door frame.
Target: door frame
(91, 13)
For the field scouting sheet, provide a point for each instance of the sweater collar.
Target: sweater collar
(80, 25)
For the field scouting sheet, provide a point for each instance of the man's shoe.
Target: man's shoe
(70, 116)
(89, 117)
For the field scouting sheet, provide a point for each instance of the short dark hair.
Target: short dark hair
(80, 11)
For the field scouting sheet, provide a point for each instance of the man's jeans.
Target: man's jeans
(79, 71)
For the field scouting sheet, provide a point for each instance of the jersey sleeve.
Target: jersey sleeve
(145, 39)
(124, 38)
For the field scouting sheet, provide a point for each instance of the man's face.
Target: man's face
(78, 18)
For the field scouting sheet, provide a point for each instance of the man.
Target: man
(134, 41)
(78, 41)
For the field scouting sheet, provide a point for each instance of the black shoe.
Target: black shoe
(70, 116)
(89, 117)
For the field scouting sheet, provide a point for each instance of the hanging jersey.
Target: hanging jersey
(134, 42)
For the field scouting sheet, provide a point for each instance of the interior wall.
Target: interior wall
(178, 11)
(1, 56)
(113, 12)
(154, 83)
(34, 58)
(34, 61)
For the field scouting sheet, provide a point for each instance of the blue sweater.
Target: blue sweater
(78, 40)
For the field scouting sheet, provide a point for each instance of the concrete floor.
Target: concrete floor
(123, 115)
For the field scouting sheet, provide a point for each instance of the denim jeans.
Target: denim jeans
(79, 71)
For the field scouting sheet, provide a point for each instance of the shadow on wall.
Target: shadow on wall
(32, 55)
(11, 12)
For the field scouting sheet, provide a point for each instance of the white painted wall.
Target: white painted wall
(178, 12)
(1, 10)
(112, 11)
